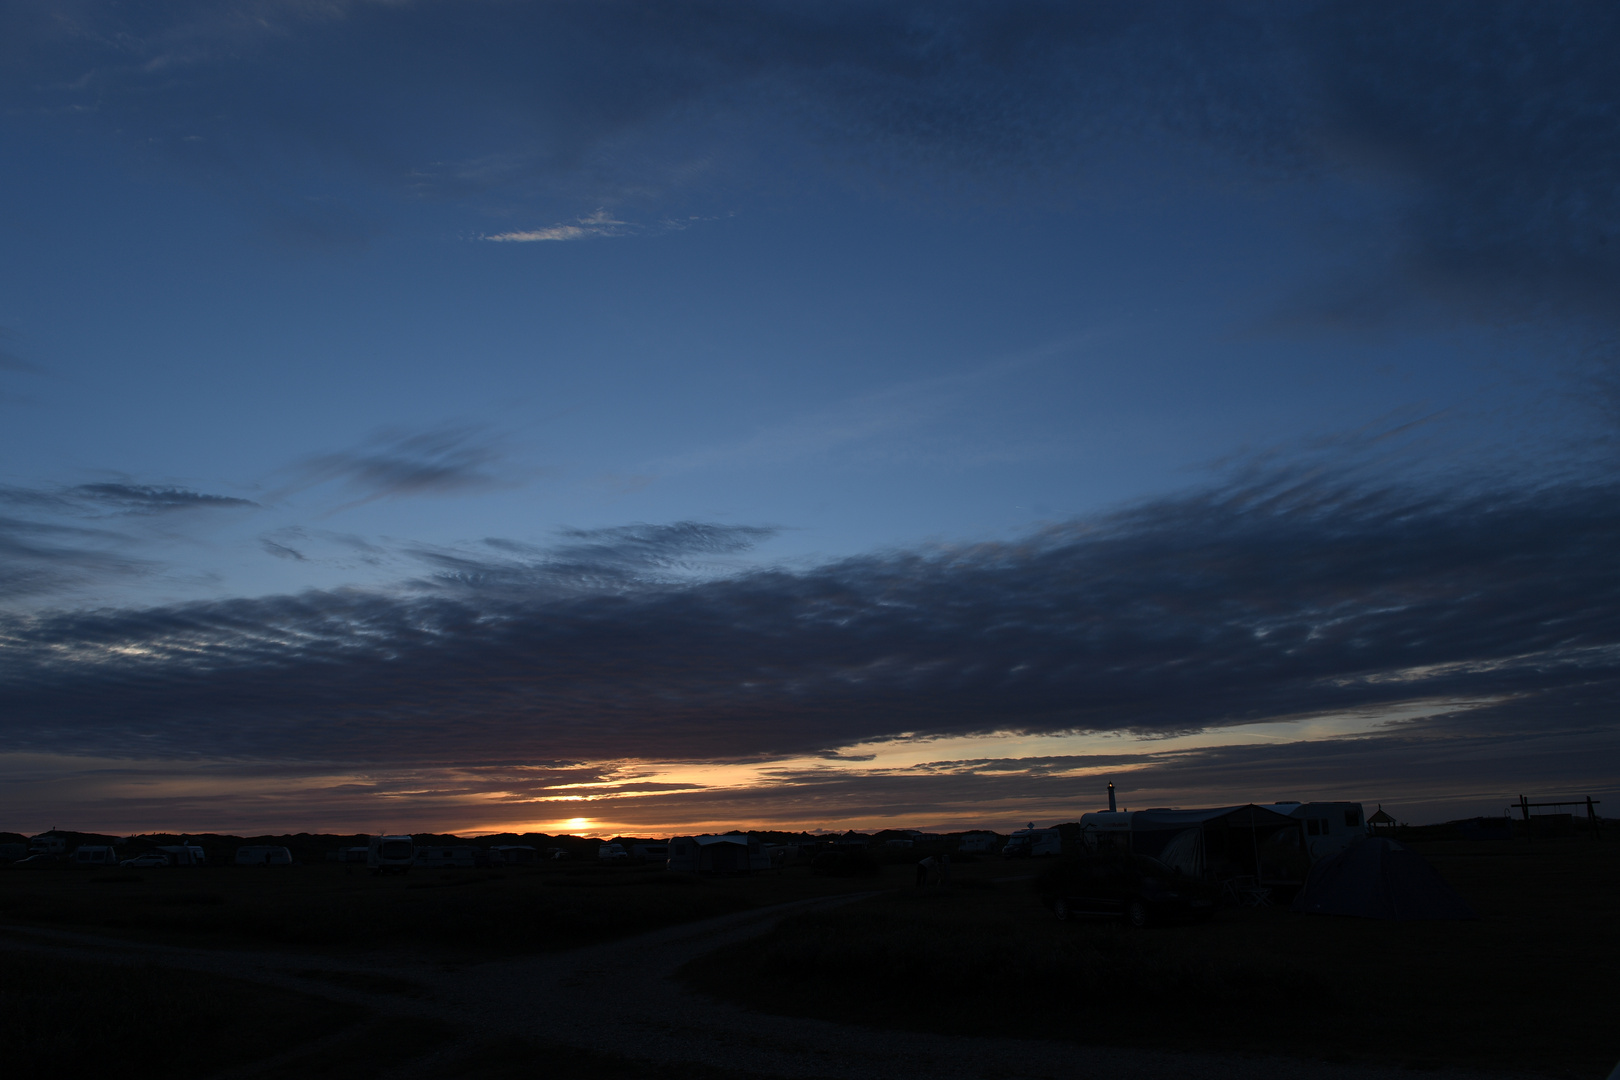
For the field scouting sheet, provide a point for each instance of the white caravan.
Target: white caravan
(95, 855)
(263, 855)
(391, 854)
(185, 854)
(1329, 827)
(1032, 842)
(459, 857)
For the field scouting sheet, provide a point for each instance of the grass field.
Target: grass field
(326, 906)
(1528, 987)
(64, 1019)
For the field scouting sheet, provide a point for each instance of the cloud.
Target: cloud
(142, 499)
(600, 223)
(1473, 143)
(47, 550)
(1233, 605)
(282, 551)
(40, 558)
(439, 462)
(617, 557)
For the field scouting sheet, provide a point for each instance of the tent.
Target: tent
(1379, 879)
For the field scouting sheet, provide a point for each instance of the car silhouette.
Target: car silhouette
(151, 858)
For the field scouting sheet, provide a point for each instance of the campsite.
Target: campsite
(1514, 989)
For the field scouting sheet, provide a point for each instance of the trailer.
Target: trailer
(1329, 827)
(95, 855)
(1224, 842)
(184, 854)
(457, 857)
(728, 853)
(391, 854)
(263, 855)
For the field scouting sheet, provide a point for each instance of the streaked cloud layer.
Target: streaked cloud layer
(726, 412)
(1255, 602)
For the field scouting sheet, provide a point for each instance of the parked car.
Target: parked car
(151, 858)
(1136, 888)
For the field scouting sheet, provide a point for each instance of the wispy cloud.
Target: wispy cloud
(144, 499)
(1229, 606)
(1477, 137)
(393, 465)
(873, 419)
(600, 223)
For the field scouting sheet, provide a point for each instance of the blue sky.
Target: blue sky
(821, 415)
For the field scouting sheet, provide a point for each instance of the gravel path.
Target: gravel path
(622, 998)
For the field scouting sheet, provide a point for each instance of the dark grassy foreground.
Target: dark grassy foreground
(64, 1019)
(1529, 987)
(470, 913)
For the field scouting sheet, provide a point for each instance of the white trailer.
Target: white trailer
(1031, 843)
(729, 853)
(263, 855)
(95, 855)
(391, 854)
(1329, 827)
(459, 857)
(185, 854)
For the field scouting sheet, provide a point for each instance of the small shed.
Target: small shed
(726, 853)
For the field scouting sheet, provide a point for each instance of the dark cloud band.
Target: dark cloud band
(1234, 605)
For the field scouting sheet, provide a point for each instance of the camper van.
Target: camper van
(612, 851)
(95, 855)
(1032, 842)
(263, 855)
(1329, 827)
(391, 854)
(978, 840)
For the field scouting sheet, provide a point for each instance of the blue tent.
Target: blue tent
(1379, 879)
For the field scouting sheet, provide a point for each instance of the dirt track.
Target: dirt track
(622, 998)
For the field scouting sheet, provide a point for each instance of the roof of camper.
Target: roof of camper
(1125, 819)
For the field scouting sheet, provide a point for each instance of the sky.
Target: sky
(637, 418)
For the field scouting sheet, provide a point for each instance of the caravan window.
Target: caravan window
(1352, 818)
(1311, 827)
